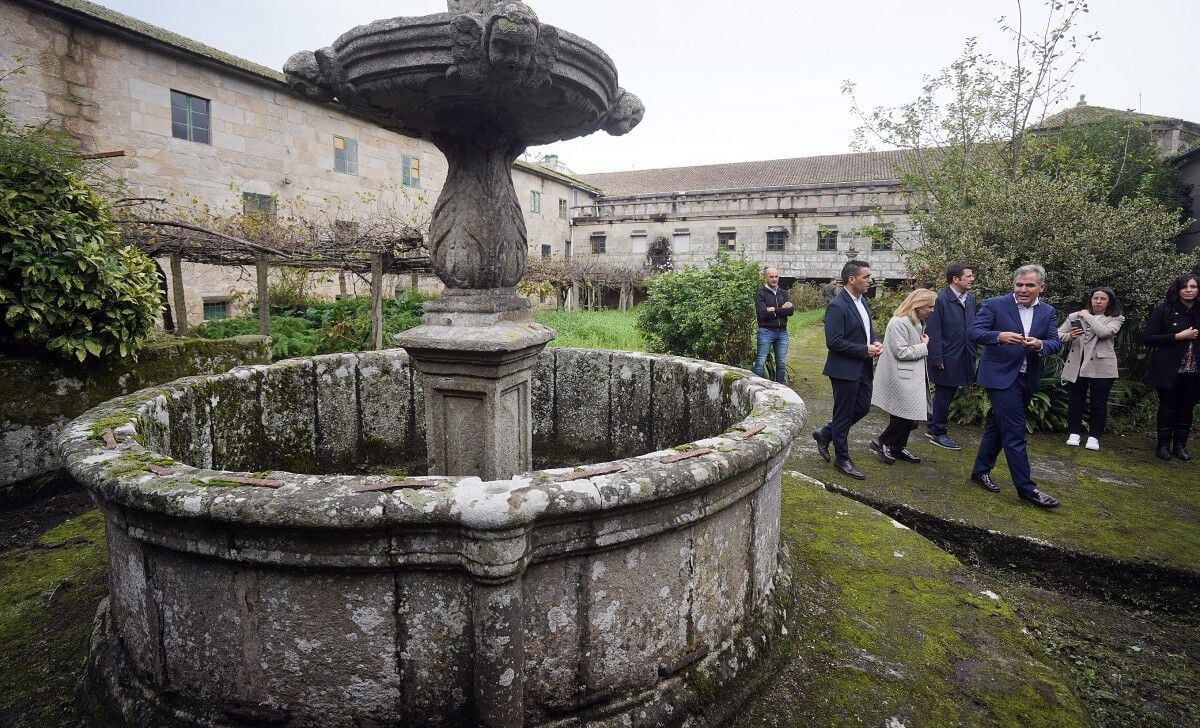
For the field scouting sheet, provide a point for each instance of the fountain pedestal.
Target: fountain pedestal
(475, 352)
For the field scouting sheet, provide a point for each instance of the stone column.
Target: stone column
(474, 352)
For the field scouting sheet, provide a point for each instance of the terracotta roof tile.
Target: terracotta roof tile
(833, 168)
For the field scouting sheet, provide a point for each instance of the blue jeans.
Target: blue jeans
(767, 338)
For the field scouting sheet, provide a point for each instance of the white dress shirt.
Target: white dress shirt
(862, 313)
(1026, 314)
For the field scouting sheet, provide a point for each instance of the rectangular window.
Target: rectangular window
(190, 118)
(260, 206)
(535, 201)
(562, 209)
(216, 308)
(345, 155)
(827, 238)
(546, 252)
(412, 171)
(726, 241)
(567, 249)
(637, 242)
(681, 240)
(887, 233)
(776, 239)
(598, 242)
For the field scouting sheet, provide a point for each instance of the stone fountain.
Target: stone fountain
(269, 564)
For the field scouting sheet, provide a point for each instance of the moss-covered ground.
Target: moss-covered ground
(892, 627)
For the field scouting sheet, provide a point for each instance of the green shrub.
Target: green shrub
(707, 313)
(806, 296)
(1047, 410)
(66, 282)
(324, 327)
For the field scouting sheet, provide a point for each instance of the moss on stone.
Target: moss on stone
(48, 594)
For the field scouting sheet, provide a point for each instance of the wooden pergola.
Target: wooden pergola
(392, 249)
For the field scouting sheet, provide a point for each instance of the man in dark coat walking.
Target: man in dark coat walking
(853, 348)
(951, 354)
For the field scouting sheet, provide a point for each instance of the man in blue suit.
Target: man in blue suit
(1016, 331)
(951, 353)
(853, 347)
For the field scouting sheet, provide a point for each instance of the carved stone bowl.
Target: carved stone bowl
(620, 593)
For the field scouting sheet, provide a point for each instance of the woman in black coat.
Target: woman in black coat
(1172, 330)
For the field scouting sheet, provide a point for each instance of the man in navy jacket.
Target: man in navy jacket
(1016, 331)
(853, 347)
(951, 353)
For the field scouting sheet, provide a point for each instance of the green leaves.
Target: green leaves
(66, 281)
(704, 313)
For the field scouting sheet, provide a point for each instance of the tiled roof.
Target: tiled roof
(1085, 114)
(828, 169)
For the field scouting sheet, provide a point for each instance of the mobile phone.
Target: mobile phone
(1077, 324)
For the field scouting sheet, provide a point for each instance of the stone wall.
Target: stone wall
(692, 222)
(559, 597)
(40, 396)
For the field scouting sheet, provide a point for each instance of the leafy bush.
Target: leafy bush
(707, 313)
(1047, 411)
(324, 327)
(806, 296)
(66, 282)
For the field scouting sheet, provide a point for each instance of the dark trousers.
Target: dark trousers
(1177, 404)
(1100, 389)
(1005, 430)
(895, 435)
(851, 403)
(939, 418)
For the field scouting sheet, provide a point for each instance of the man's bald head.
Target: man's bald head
(771, 277)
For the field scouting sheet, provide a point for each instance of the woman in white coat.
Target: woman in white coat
(1091, 362)
(900, 387)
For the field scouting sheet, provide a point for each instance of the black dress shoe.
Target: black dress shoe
(822, 444)
(1181, 452)
(846, 467)
(986, 481)
(905, 455)
(1038, 498)
(883, 451)
(1163, 452)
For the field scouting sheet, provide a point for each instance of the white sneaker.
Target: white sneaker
(1073, 440)
(1092, 444)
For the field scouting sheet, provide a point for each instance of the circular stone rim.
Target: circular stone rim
(466, 501)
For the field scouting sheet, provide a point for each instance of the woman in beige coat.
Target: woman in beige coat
(900, 388)
(1091, 362)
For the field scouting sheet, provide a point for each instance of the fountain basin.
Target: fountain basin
(249, 586)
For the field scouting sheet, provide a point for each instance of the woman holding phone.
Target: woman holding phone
(900, 388)
(1091, 362)
(1175, 364)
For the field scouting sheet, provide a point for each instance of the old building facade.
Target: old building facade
(195, 126)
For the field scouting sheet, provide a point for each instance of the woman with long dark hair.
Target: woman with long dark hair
(1175, 364)
(1091, 362)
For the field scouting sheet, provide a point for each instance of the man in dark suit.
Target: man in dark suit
(1016, 331)
(853, 347)
(951, 353)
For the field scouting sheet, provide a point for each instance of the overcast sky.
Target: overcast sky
(746, 80)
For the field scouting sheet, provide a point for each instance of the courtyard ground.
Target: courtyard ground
(1092, 604)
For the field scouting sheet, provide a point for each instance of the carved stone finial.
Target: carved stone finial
(463, 7)
(305, 76)
(626, 113)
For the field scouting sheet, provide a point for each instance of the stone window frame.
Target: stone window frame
(599, 243)
(535, 201)
(187, 121)
(776, 239)
(827, 238)
(345, 155)
(411, 170)
(215, 304)
(255, 204)
(547, 251)
(887, 237)
(562, 209)
(727, 241)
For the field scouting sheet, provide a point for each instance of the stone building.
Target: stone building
(805, 216)
(188, 122)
